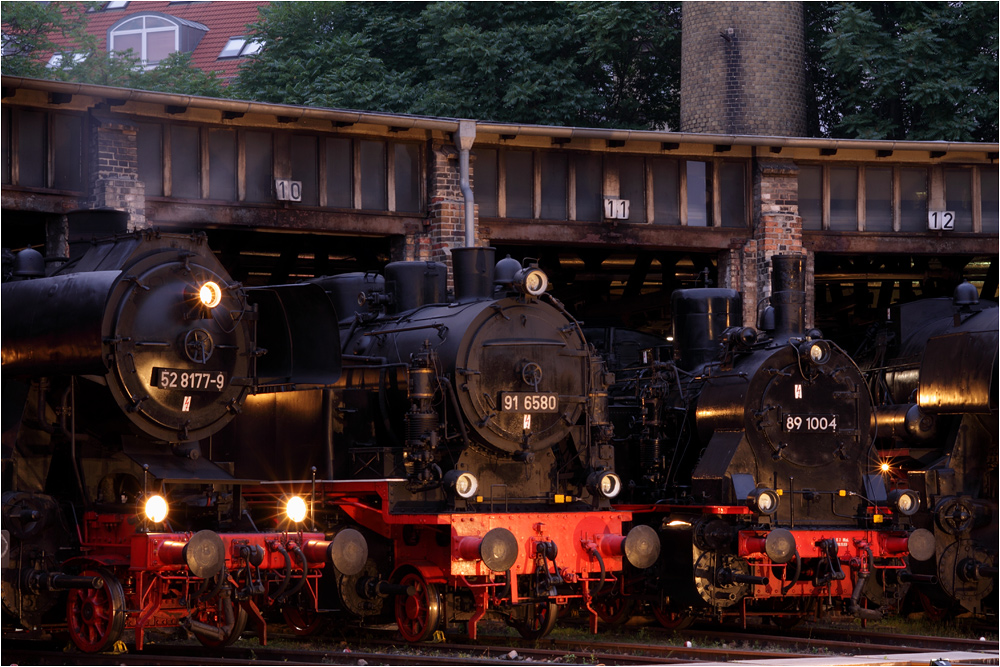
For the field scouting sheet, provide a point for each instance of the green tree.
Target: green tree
(558, 63)
(906, 70)
(33, 28)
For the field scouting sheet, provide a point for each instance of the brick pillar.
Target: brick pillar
(777, 231)
(444, 228)
(114, 175)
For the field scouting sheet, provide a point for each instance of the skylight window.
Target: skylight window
(57, 59)
(116, 4)
(239, 46)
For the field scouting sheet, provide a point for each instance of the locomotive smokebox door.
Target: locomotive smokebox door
(524, 392)
(175, 342)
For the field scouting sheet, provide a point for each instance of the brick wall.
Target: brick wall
(114, 174)
(444, 227)
(777, 230)
(743, 68)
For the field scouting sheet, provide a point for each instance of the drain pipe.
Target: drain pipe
(464, 138)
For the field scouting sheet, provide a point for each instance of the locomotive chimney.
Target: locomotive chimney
(473, 270)
(788, 295)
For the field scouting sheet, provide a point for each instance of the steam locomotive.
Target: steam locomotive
(118, 367)
(750, 452)
(933, 370)
(467, 439)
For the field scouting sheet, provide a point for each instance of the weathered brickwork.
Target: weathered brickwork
(445, 225)
(742, 68)
(777, 230)
(114, 175)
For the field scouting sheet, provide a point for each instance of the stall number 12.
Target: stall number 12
(941, 220)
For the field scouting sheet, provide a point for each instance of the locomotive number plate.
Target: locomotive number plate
(824, 423)
(181, 380)
(516, 401)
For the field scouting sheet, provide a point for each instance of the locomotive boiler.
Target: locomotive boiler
(118, 367)
(751, 453)
(933, 369)
(468, 438)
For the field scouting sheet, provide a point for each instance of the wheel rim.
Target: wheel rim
(540, 619)
(673, 620)
(417, 615)
(301, 616)
(614, 608)
(96, 617)
(213, 615)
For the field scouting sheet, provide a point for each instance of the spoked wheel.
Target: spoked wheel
(302, 622)
(418, 615)
(673, 620)
(613, 608)
(218, 615)
(537, 620)
(96, 616)
(934, 610)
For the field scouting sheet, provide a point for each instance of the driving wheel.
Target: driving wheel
(673, 620)
(218, 614)
(418, 615)
(300, 614)
(537, 620)
(96, 617)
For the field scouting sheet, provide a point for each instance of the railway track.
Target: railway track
(383, 647)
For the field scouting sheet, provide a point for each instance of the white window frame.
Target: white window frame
(143, 32)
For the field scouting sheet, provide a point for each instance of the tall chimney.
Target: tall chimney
(743, 68)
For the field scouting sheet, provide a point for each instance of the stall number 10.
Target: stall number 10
(288, 190)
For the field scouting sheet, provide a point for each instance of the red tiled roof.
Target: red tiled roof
(223, 18)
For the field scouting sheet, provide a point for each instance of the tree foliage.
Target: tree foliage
(878, 70)
(904, 70)
(569, 63)
(32, 28)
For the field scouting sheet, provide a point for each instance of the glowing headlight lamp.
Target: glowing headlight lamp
(606, 483)
(905, 501)
(156, 509)
(210, 294)
(295, 509)
(531, 281)
(816, 352)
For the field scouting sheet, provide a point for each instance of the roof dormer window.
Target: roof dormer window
(152, 37)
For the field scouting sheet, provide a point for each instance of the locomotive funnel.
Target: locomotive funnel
(788, 295)
(473, 269)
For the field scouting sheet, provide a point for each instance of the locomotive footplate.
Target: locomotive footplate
(793, 563)
(504, 560)
(210, 583)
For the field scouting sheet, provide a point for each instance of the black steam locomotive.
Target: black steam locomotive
(933, 370)
(468, 439)
(750, 452)
(118, 367)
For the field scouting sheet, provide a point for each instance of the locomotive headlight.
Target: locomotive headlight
(531, 281)
(210, 294)
(763, 501)
(606, 483)
(156, 509)
(464, 484)
(295, 509)
(906, 501)
(816, 352)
